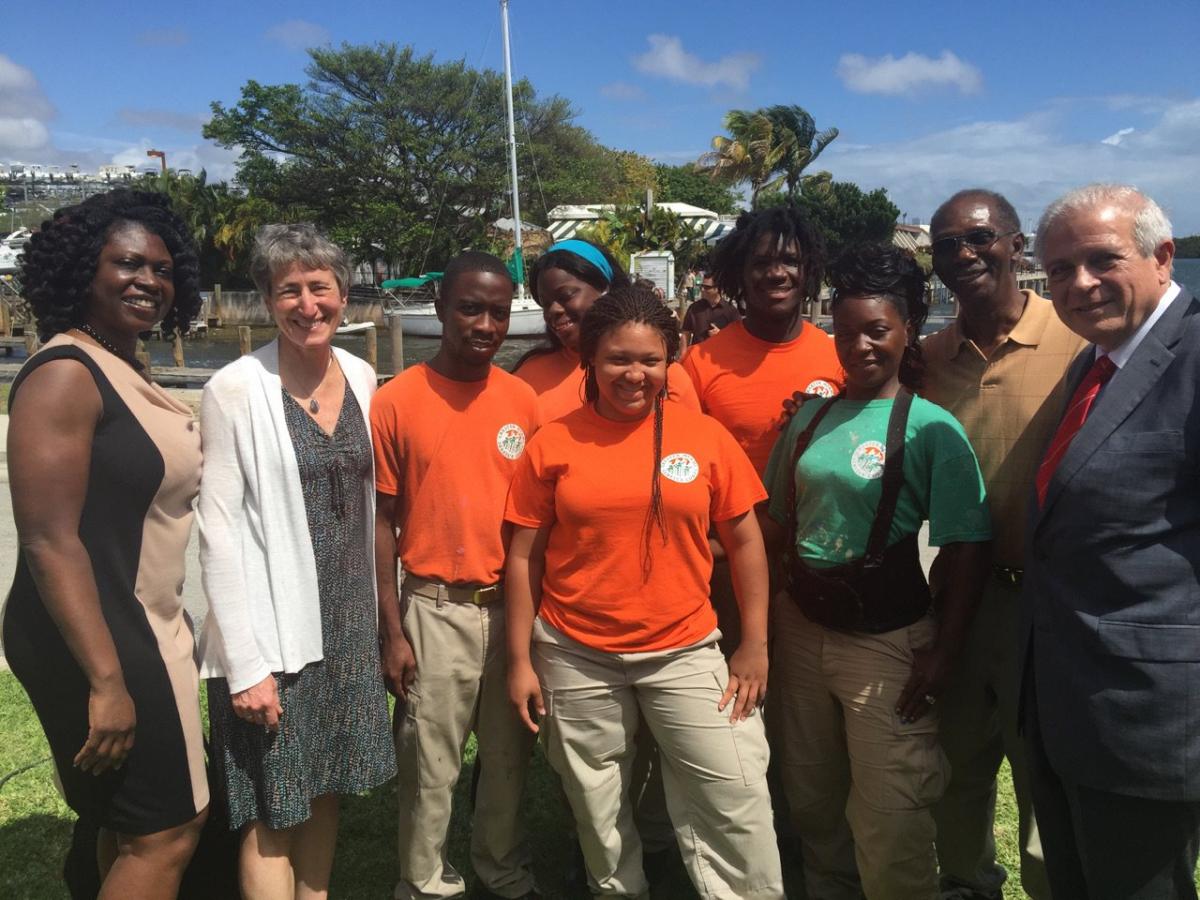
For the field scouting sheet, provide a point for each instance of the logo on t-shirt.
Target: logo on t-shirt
(867, 460)
(681, 468)
(821, 388)
(510, 440)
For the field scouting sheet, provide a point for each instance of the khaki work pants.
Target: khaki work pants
(714, 772)
(978, 730)
(461, 686)
(860, 784)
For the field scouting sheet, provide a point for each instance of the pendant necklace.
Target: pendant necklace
(107, 345)
(313, 406)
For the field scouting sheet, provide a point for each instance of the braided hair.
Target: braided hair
(632, 304)
(886, 271)
(60, 260)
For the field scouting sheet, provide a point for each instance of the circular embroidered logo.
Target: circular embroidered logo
(821, 388)
(681, 468)
(867, 460)
(510, 441)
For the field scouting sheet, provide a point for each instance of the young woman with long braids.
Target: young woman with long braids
(608, 575)
(861, 651)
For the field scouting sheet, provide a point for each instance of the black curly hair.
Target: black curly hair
(59, 262)
(633, 304)
(784, 224)
(883, 270)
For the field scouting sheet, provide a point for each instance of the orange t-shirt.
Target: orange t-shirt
(742, 381)
(557, 379)
(447, 449)
(589, 479)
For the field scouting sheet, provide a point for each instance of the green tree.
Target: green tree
(795, 132)
(1188, 247)
(683, 184)
(843, 213)
(627, 230)
(751, 152)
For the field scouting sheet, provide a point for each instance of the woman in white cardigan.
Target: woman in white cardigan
(296, 699)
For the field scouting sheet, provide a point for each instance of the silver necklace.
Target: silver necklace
(313, 406)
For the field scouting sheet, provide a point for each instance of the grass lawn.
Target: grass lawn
(35, 825)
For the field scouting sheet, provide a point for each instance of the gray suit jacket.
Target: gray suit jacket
(1110, 624)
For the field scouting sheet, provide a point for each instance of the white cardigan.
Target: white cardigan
(256, 555)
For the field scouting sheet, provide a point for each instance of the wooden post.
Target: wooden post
(142, 355)
(396, 330)
(5, 319)
(214, 317)
(31, 343)
(372, 347)
(243, 340)
(177, 348)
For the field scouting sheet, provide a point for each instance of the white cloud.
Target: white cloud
(297, 34)
(24, 109)
(1031, 161)
(621, 90)
(667, 59)
(907, 75)
(1114, 140)
(164, 37)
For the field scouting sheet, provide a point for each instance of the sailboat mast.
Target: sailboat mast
(512, 150)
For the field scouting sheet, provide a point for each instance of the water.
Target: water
(1187, 273)
(220, 346)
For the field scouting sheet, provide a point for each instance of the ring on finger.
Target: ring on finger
(930, 699)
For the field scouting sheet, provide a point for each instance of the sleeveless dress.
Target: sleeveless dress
(144, 475)
(334, 737)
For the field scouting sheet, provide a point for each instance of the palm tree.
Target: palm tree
(752, 152)
(795, 133)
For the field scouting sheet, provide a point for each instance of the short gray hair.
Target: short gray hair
(1150, 224)
(277, 247)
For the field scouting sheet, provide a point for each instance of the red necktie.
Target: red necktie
(1081, 404)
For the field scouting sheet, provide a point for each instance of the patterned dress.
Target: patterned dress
(334, 737)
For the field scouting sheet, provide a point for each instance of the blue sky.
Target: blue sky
(1027, 98)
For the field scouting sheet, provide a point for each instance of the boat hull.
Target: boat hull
(420, 320)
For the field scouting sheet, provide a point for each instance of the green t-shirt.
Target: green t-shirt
(840, 477)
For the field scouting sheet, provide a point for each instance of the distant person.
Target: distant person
(565, 281)
(861, 651)
(1000, 368)
(448, 435)
(773, 261)
(290, 645)
(707, 316)
(103, 466)
(1109, 635)
(608, 573)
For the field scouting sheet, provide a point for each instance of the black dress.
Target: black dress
(334, 737)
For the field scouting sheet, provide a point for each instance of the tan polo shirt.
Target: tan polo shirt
(1008, 404)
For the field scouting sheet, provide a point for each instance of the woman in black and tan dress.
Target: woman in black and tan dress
(296, 697)
(103, 467)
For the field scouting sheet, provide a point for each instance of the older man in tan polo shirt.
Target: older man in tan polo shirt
(999, 368)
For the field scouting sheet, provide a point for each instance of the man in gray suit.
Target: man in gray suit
(1110, 630)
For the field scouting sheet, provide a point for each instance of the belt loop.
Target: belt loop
(443, 594)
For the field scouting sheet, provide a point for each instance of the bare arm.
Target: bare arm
(49, 458)
(748, 566)
(522, 597)
(961, 570)
(395, 651)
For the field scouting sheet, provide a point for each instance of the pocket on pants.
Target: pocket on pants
(748, 737)
(406, 734)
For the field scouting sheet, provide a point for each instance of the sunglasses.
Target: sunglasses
(977, 239)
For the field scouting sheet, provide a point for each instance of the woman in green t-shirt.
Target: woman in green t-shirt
(861, 651)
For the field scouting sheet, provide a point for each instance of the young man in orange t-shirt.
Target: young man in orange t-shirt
(771, 264)
(448, 435)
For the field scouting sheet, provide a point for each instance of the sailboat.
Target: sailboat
(416, 312)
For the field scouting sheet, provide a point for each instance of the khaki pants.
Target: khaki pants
(860, 784)
(461, 686)
(714, 772)
(979, 729)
